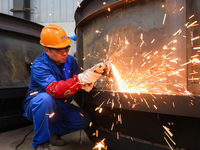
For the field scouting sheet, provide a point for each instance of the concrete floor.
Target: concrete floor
(10, 139)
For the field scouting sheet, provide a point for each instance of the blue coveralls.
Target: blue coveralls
(39, 104)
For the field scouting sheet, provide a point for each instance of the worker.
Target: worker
(55, 78)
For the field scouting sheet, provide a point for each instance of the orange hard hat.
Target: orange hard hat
(54, 36)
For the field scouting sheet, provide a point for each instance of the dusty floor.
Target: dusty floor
(10, 139)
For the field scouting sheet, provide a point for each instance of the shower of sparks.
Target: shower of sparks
(164, 18)
(99, 107)
(150, 71)
(90, 124)
(120, 118)
(112, 126)
(146, 102)
(195, 56)
(192, 24)
(155, 106)
(97, 133)
(33, 93)
(168, 131)
(181, 8)
(97, 31)
(133, 106)
(174, 60)
(100, 110)
(195, 38)
(100, 145)
(187, 92)
(153, 41)
(123, 87)
(118, 135)
(174, 41)
(170, 138)
(126, 41)
(78, 4)
(195, 61)
(168, 143)
(177, 32)
(194, 79)
(191, 17)
(194, 72)
(196, 48)
(51, 115)
(141, 80)
(107, 38)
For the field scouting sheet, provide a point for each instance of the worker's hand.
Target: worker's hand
(91, 75)
(87, 87)
(99, 68)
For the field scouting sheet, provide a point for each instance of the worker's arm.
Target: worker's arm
(85, 80)
(60, 89)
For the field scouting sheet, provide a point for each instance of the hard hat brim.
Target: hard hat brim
(62, 45)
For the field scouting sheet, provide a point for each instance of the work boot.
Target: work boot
(56, 140)
(43, 146)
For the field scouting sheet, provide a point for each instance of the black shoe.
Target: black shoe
(43, 146)
(56, 140)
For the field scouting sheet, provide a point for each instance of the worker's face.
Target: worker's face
(58, 56)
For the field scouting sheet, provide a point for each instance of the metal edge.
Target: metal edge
(94, 8)
(179, 105)
(14, 24)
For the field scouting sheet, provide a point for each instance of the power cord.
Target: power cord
(24, 139)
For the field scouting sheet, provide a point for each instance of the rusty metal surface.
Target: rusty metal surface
(143, 114)
(19, 47)
(143, 129)
(128, 20)
(95, 23)
(153, 103)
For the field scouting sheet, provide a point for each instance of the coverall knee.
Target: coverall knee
(68, 118)
(38, 111)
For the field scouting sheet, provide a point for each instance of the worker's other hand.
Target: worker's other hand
(91, 75)
(87, 87)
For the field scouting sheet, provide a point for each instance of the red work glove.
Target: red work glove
(60, 89)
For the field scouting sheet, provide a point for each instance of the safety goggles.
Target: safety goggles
(62, 50)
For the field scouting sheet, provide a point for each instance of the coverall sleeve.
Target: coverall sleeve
(57, 89)
(42, 75)
(60, 89)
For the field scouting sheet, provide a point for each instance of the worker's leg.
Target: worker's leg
(37, 111)
(69, 118)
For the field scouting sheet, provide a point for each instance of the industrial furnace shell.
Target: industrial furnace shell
(103, 28)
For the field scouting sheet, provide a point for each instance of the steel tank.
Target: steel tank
(125, 31)
(19, 47)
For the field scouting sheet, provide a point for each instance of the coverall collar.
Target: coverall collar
(54, 66)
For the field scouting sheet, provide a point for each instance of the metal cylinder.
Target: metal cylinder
(130, 33)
